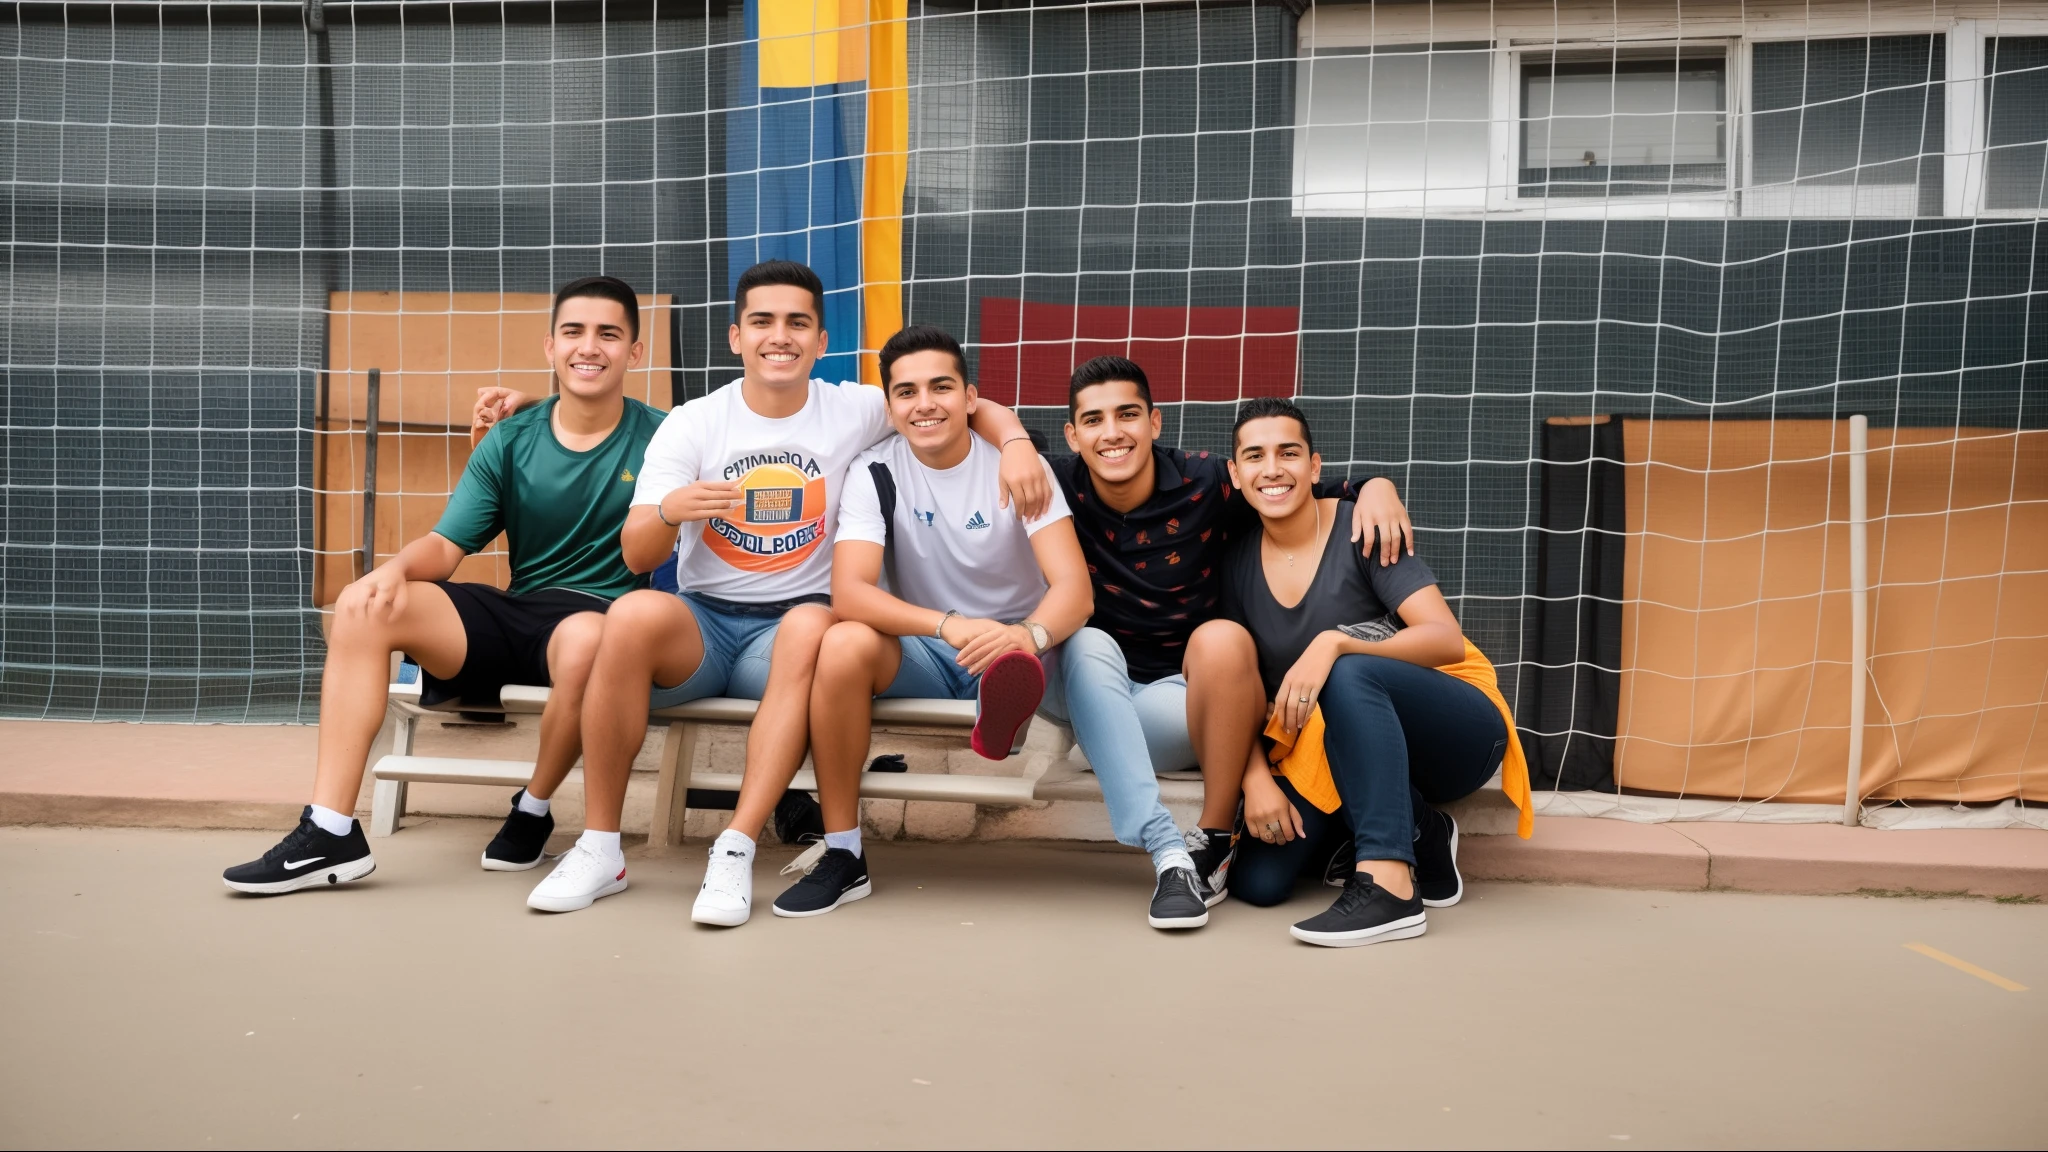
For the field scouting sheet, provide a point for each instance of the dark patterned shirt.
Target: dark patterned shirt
(1158, 569)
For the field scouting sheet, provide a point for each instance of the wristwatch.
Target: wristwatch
(1039, 636)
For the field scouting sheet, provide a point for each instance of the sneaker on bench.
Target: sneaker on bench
(522, 842)
(1010, 692)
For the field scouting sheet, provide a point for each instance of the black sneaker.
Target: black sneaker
(308, 855)
(522, 842)
(1436, 860)
(1364, 913)
(1180, 901)
(798, 819)
(1214, 850)
(1342, 863)
(837, 877)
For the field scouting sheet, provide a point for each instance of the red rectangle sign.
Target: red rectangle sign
(1029, 349)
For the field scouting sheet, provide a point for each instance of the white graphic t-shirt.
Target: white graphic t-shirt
(790, 472)
(955, 548)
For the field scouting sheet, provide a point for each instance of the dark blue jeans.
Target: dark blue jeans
(1398, 736)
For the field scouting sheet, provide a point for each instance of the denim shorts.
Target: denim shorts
(928, 672)
(737, 641)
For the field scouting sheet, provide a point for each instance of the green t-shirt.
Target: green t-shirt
(561, 511)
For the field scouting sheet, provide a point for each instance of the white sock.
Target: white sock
(1173, 858)
(331, 822)
(605, 844)
(534, 806)
(732, 841)
(847, 840)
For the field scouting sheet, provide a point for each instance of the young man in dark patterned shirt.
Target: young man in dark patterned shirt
(1155, 683)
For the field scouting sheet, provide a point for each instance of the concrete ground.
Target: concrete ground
(989, 994)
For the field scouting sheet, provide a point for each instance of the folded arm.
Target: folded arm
(1068, 601)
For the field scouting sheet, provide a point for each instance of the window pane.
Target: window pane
(1627, 127)
(1383, 126)
(2016, 135)
(1847, 127)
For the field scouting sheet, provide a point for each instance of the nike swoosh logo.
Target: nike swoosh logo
(295, 865)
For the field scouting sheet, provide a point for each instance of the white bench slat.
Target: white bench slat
(873, 785)
(527, 699)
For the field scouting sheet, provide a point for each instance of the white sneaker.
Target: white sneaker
(727, 897)
(581, 879)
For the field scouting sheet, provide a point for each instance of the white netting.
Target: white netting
(1599, 288)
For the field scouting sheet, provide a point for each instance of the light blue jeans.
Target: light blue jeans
(1128, 731)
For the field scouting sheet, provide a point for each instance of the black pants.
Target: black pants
(1398, 736)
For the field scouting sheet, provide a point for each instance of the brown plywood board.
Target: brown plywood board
(435, 349)
(1736, 624)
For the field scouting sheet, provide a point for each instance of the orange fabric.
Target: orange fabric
(1306, 764)
(1735, 630)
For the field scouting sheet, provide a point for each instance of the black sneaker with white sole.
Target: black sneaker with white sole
(308, 855)
(1180, 901)
(1364, 913)
(837, 877)
(522, 842)
(1214, 850)
(1436, 860)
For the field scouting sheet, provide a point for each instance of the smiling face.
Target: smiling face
(929, 403)
(1113, 429)
(779, 335)
(1272, 465)
(591, 347)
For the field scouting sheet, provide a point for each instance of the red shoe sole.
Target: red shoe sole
(1010, 692)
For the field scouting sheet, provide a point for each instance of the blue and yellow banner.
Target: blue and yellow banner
(817, 147)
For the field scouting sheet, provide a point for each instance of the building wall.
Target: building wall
(187, 188)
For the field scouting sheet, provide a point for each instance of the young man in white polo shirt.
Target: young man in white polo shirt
(939, 593)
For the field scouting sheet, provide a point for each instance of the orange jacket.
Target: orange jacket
(1307, 766)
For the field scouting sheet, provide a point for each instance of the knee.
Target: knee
(573, 650)
(635, 627)
(1362, 673)
(1094, 646)
(1259, 888)
(1221, 646)
(800, 635)
(847, 649)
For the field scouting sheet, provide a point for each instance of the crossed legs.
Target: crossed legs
(1226, 712)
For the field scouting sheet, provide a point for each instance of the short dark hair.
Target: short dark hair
(921, 338)
(787, 272)
(1102, 370)
(600, 288)
(1260, 407)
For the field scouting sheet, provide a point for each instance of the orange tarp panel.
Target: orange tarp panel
(434, 350)
(1735, 628)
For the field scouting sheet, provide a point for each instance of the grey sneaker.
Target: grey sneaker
(1180, 901)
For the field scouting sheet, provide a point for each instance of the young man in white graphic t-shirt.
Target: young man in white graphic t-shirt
(744, 485)
(940, 593)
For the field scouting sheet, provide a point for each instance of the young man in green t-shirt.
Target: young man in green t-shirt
(557, 479)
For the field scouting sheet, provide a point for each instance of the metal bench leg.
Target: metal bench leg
(387, 799)
(672, 786)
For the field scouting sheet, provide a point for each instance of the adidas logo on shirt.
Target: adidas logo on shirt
(975, 521)
(923, 517)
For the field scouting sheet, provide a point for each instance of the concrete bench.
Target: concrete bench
(686, 722)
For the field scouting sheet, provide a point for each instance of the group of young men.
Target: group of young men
(833, 543)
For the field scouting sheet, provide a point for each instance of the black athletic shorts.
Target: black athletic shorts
(508, 639)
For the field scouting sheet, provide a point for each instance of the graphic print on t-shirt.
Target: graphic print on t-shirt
(782, 516)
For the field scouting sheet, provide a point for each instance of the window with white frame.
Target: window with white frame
(1649, 121)
(1395, 127)
(2016, 124)
(1949, 121)
(1846, 127)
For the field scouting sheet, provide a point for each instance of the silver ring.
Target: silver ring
(1272, 827)
(1303, 699)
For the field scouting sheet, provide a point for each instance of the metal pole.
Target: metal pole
(1859, 610)
(370, 478)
